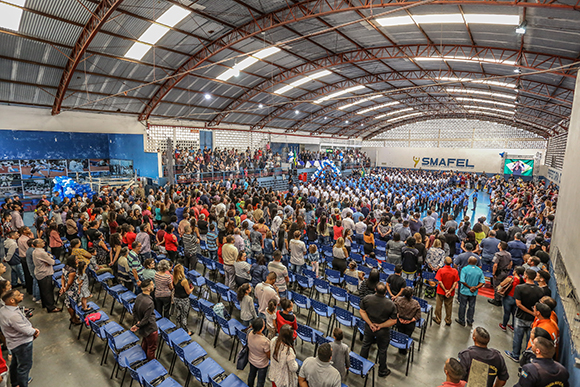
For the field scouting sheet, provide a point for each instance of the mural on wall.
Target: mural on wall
(33, 178)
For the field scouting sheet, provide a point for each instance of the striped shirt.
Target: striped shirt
(211, 240)
(162, 284)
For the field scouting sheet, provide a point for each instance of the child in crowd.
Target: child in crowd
(340, 353)
(247, 309)
(314, 258)
(352, 271)
(270, 317)
(83, 284)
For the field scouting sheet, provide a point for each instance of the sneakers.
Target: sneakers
(512, 356)
(511, 327)
(502, 327)
(459, 322)
(494, 302)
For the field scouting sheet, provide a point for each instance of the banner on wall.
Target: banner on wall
(554, 175)
(10, 166)
(518, 167)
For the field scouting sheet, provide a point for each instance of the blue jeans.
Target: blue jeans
(213, 254)
(359, 239)
(144, 256)
(296, 268)
(323, 240)
(21, 365)
(16, 273)
(509, 308)
(464, 302)
(261, 372)
(521, 328)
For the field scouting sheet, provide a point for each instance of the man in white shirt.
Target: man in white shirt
(360, 227)
(348, 223)
(266, 291)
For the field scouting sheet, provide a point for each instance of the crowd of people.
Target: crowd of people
(191, 163)
(417, 221)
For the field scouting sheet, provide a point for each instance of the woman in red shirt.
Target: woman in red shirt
(285, 316)
(509, 302)
(170, 243)
(338, 230)
(55, 243)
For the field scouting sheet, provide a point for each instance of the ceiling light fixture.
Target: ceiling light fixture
(260, 106)
(296, 111)
(10, 16)
(360, 101)
(207, 96)
(482, 81)
(451, 18)
(471, 107)
(378, 107)
(339, 93)
(155, 32)
(521, 29)
(235, 71)
(302, 81)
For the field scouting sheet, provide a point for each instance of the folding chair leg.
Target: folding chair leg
(201, 325)
(104, 298)
(234, 343)
(124, 374)
(89, 339)
(92, 343)
(80, 330)
(172, 366)
(187, 379)
(112, 306)
(366, 380)
(113, 372)
(105, 353)
(217, 333)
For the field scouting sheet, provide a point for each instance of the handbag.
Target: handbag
(242, 358)
(505, 286)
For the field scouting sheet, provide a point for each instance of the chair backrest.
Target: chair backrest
(299, 299)
(234, 298)
(388, 266)
(302, 279)
(371, 261)
(332, 273)
(309, 273)
(351, 280)
(364, 269)
(410, 283)
(322, 340)
(209, 313)
(304, 330)
(224, 324)
(179, 352)
(320, 283)
(356, 364)
(399, 337)
(194, 302)
(354, 300)
(427, 275)
(356, 257)
(344, 315)
(195, 371)
(383, 277)
(338, 292)
(360, 325)
(319, 306)
(424, 304)
(242, 336)
(214, 383)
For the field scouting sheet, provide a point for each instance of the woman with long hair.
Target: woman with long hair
(182, 290)
(69, 287)
(259, 348)
(163, 288)
(340, 256)
(283, 365)
(368, 286)
(247, 309)
(323, 232)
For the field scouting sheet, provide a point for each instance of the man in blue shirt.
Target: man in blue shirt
(517, 249)
(489, 246)
(471, 279)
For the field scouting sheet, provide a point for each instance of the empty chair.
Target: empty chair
(360, 327)
(230, 381)
(150, 372)
(307, 333)
(228, 327)
(372, 262)
(321, 286)
(125, 350)
(113, 291)
(204, 371)
(168, 382)
(300, 300)
(338, 294)
(320, 309)
(98, 330)
(206, 313)
(305, 282)
(364, 269)
(175, 338)
(356, 257)
(362, 367)
(189, 353)
(333, 276)
(402, 341)
(388, 268)
(354, 301)
(425, 308)
(343, 317)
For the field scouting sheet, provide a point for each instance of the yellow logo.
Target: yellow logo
(416, 160)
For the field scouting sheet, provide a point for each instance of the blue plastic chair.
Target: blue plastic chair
(241, 338)
(230, 381)
(228, 327)
(204, 371)
(125, 350)
(150, 372)
(360, 326)
(305, 282)
(322, 310)
(356, 257)
(338, 294)
(352, 281)
(354, 302)
(362, 367)
(343, 317)
(190, 353)
(372, 262)
(402, 341)
(333, 276)
(206, 313)
(98, 329)
(300, 300)
(388, 267)
(365, 269)
(307, 334)
(113, 291)
(321, 286)
(222, 292)
(168, 382)
(425, 308)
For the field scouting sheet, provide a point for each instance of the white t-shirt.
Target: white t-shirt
(297, 250)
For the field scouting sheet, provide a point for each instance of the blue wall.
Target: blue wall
(23, 145)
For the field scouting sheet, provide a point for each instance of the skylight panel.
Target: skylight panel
(470, 107)
(405, 116)
(250, 60)
(482, 92)
(302, 81)
(483, 81)
(378, 107)
(467, 60)
(155, 32)
(451, 18)
(11, 16)
(506, 20)
(339, 93)
(360, 101)
(393, 112)
(485, 101)
(394, 21)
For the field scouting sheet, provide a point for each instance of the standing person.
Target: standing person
(55, 243)
(182, 290)
(19, 334)
(247, 309)
(396, 283)
(543, 371)
(379, 314)
(266, 291)
(454, 372)
(278, 268)
(502, 264)
(447, 280)
(340, 353)
(163, 288)
(230, 256)
(283, 364)
(319, 372)
(297, 252)
(171, 243)
(144, 319)
(508, 301)
(489, 246)
(258, 353)
(340, 256)
(13, 259)
(408, 313)
(526, 295)
(498, 373)
(471, 280)
(43, 271)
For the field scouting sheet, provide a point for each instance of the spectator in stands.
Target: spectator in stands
(230, 256)
(395, 283)
(266, 291)
(502, 264)
(435, 256)
(508, 301)
(182, 290)
(489, 246)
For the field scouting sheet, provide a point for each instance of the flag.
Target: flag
(295, 158)
(363, 172)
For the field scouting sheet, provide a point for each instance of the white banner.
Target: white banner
(554, 175)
